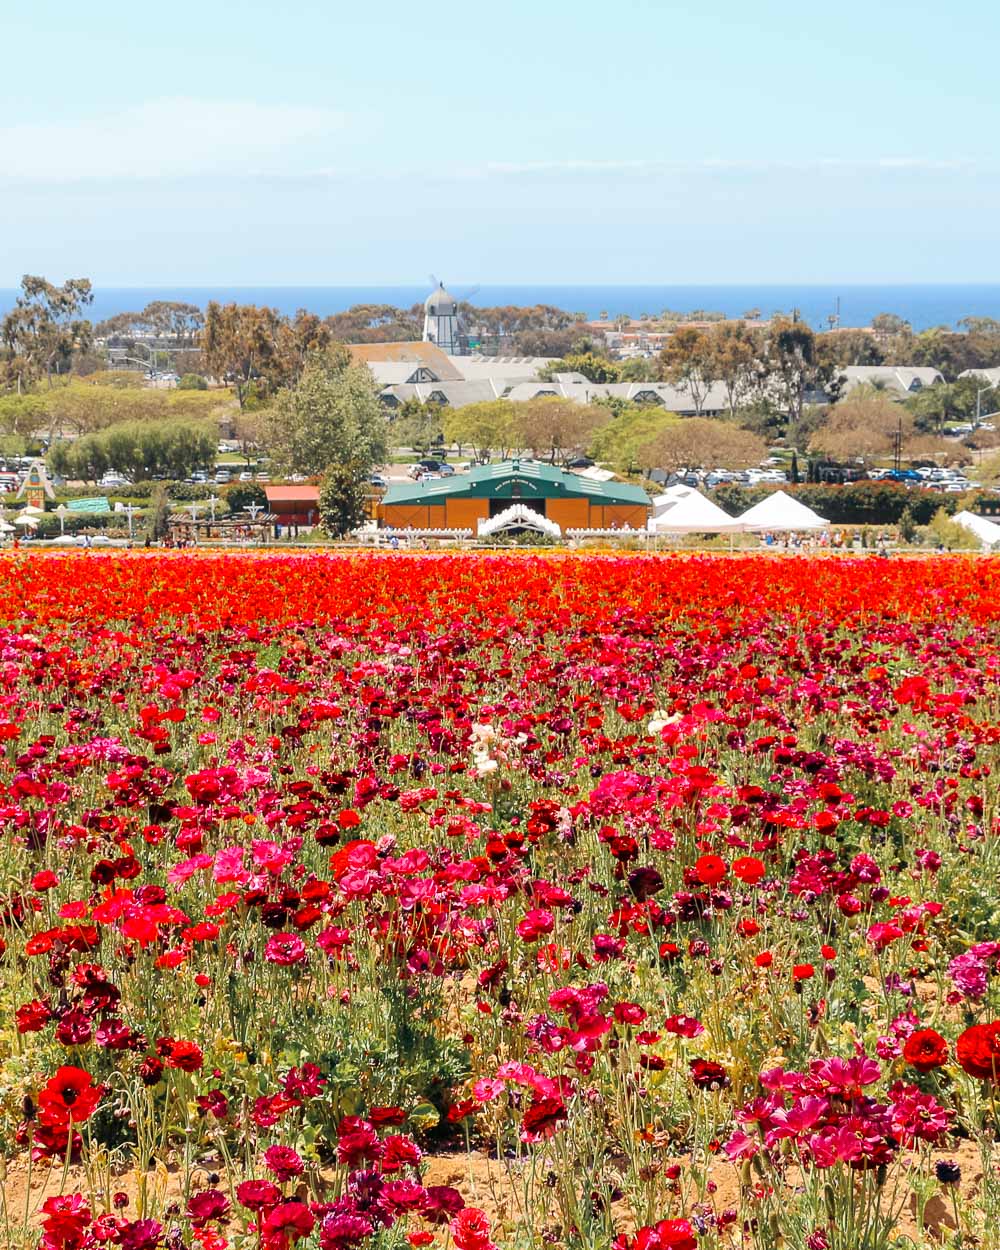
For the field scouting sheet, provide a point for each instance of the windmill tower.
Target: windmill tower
(441, 321)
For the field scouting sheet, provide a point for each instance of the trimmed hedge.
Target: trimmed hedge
(856, 503)
(93, 523)
(139, 493)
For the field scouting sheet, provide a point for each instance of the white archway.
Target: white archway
(519, 516)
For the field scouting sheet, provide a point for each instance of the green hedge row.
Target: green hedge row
(856, 503)
(139, 493)
(81, 522)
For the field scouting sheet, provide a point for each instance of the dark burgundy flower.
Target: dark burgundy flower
(283, 1162)
(708, 1075)
(257, 1195)
(75, 1028)
(150, 1070)
(442, 1202)
(644, 882)
(542, 1118)
(209, 1204)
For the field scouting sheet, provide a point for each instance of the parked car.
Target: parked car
(222, 476)
(581, 462)
(198, 478)
(377, 479)
(114, 479)
(431, 466)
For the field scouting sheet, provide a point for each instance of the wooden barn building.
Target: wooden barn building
(462, 501)
(293, 505)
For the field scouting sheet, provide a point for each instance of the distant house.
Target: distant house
(563, 386)
(417, 355)
(989, 377)
(899, 382)
(422, 371)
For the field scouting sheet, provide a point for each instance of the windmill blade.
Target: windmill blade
(434, 281)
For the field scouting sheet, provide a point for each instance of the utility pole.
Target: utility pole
(979, 399)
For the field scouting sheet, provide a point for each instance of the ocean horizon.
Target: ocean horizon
(923, 305)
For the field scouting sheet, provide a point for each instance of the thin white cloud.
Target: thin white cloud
(725, 164)
(166, 138)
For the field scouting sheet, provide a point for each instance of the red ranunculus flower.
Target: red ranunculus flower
(470, 1230)
(925, 1050)
(69, 1097)
(978, 1051)
(666, 1235)
(710, 869)
(748, 869)
(179, 1053)
(285, 1224)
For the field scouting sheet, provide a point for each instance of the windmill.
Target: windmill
(441, 318)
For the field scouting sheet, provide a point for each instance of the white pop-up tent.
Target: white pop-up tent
(669, 497)
(988, 532)
(692, 513)
(780, 511)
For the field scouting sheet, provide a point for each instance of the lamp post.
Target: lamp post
(129, 510)
(61, 512)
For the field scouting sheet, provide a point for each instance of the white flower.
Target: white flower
(660, 720)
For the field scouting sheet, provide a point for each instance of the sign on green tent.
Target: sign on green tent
(99, 504)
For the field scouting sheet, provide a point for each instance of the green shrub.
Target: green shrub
(80, 522)
(240, 495)
(856, 503)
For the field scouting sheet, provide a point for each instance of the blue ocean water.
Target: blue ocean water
(922, 306)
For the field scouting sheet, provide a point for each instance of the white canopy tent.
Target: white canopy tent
(692, 513)
(23, 519)
(780, 511)
(988, 532)
(670, 497)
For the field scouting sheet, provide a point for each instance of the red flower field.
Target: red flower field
(472, 901)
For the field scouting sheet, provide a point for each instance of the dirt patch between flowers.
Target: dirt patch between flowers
(484, 1181)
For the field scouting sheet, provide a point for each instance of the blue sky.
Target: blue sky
(325, 143)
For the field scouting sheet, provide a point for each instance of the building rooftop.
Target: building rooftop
(513, 479)
(416, 353)
(292, 493)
